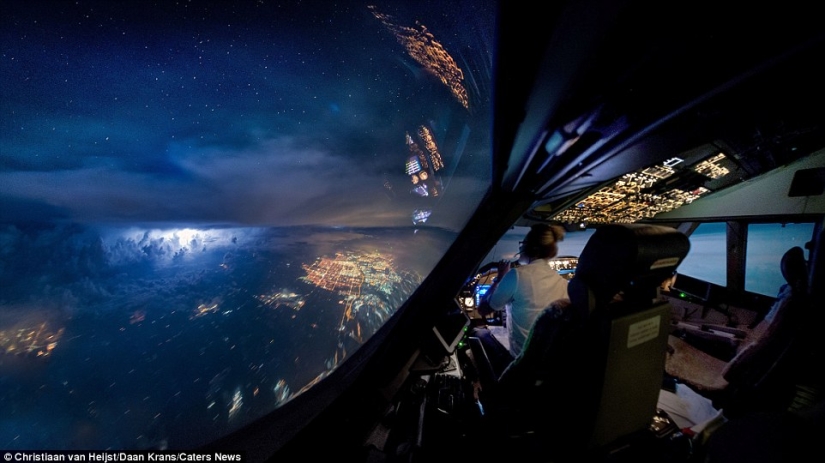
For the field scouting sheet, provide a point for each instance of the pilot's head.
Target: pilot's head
(541, 241)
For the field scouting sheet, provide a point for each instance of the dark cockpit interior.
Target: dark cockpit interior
(271, 229)
(606, 113)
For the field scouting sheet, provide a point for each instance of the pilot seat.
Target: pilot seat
(746, 377)
(588, 379)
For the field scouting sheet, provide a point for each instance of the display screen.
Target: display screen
(689, 287)
(481, 290)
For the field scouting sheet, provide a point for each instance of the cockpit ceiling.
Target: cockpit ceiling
(751, 134)
(647, 192)
(793, 192)
(662, 192)
(643, 159)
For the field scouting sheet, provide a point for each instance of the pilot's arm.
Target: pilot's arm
(501, 291)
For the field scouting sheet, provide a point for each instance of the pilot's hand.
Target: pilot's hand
(484, 308)
(503, 268)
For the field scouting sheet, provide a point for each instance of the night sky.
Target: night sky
(252, 112)
(160, 157)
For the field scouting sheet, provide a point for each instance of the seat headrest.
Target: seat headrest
(633, 258)
(794, 268)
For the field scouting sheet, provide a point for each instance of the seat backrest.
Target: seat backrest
(624, 267)
(814, 320)
(774, 334)
(816, 276)
(795, 272)
(633, 373)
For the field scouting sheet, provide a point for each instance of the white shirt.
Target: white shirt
(524, 292)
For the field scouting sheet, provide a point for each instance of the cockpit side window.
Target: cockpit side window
(707, 257)
(766, 245)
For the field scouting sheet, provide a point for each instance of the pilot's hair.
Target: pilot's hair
(542, 240)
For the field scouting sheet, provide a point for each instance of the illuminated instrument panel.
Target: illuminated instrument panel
(565, 265)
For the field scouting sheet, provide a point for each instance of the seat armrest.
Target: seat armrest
(721, 345)
(736, 332)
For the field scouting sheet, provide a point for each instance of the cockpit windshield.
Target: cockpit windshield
(207, 207)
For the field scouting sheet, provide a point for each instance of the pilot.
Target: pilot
(524, 291)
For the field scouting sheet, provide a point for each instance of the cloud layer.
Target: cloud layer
(258, 114)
